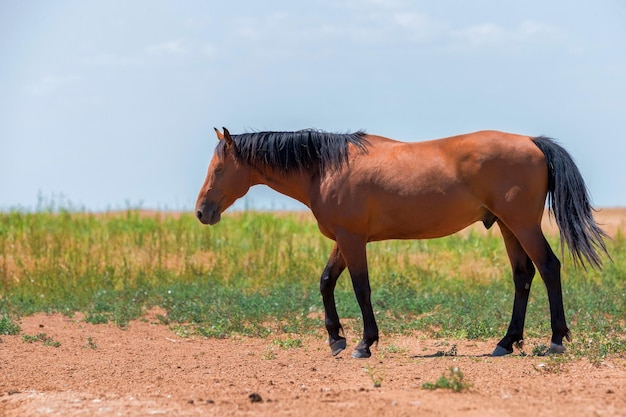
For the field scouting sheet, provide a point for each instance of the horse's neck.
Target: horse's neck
(296, 185)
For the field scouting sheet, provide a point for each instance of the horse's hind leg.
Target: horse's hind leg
(549, 266)
(523, 273)
(334, 268)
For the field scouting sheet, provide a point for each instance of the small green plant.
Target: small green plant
(450, 352)
(41, 337)
(182, 330)
(390, 349)
(8, 327)
(540, 349)
(162, 319)
(553, 364)
(32, 339)
(50, 342)
(288, 343)
(269, 354)
(597, 346)
(97, 318)
(376, 375)
(454, 381)
(91, 343)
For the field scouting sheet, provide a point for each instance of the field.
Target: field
(141, 313)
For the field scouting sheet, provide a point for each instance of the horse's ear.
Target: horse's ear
(227, 137)
(219, 134)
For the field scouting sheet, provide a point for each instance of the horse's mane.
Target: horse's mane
(290, 151)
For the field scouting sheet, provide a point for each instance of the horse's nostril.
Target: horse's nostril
(199, 214)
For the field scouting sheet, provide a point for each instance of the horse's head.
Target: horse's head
(227, 180)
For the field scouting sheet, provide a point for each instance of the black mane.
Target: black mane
(290, 151)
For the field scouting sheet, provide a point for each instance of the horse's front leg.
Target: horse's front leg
(334, 268)
(353, 250)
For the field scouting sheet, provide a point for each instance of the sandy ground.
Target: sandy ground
(101, 370)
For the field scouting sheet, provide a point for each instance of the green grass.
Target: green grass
(257, 274)
(290, 343)
(8, 326)
(40, 337)
(376, 375)
(454, 381)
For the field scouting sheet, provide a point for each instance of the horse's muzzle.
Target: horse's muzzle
(208, 213)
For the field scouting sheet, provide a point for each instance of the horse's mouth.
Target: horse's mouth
(209, 215)
(215, 217)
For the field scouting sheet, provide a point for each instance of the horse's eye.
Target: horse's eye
(219, 168)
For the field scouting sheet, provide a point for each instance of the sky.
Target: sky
(107, 105)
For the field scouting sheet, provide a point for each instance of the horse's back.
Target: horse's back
(472, 159)
(436, 187)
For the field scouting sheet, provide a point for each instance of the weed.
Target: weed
(181, 330)
(91, 343)
(97, 318)
(8, 326)
(390, 349)
(269, 354)
(552, 364)
(597, 346)
(41, 337)
(454, 381)
(51, 342)
(450, 352)
(162, 319)
(288, 343)
(376, 375)
(32, 339)
(539, 350)
(199, 355)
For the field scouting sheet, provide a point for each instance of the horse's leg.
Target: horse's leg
(549, 266)
(334, 268)
(523, 273)
(354, 253)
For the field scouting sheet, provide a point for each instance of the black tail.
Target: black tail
(569, 203)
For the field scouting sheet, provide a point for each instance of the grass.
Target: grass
(91, 343)
(376, 375)
(8, 326)
(450, 352)
(257, 274)
(454, 381)
(40, 337)
(289, 343)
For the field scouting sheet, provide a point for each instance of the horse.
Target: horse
(363, 188)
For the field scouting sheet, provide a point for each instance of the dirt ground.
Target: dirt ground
(102, 370)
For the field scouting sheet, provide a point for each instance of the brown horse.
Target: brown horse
(363, 188)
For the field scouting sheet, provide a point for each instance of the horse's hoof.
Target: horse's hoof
(555, 349)
(338, 346)
(361, 353)
(500, 351)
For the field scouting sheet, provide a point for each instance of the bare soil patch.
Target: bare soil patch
(102, 370)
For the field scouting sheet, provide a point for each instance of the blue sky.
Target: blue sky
(106, 104)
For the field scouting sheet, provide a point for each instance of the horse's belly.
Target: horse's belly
(423, 219)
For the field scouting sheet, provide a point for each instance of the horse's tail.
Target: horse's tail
(569, 203)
